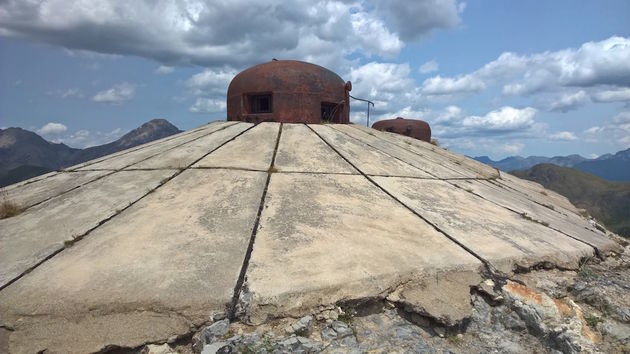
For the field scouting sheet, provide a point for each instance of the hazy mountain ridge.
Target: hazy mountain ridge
(613, 167)
(24, 154)
(607, 201)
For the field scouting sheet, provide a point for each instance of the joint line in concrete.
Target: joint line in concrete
(250, 247)
(486, 263)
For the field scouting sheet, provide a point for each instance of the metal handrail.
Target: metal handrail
(367, 124)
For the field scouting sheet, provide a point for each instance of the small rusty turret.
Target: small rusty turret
(414, 128)
(288, 91)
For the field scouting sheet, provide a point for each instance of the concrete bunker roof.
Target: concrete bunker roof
(144, 244)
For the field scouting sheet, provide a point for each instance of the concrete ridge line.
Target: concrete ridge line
(598, 253)
(85, 234)
(386, 153)
(122, 168)
(250, 247)
(486, 263)
(413, 152)
(139, 147)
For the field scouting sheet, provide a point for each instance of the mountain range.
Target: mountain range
(24, 154)
(608, 202)
(612, 167)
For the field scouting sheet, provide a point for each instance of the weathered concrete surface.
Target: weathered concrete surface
(141, 154)
(569, 223)
(326, 234)
(167, 262)
(536, 192)
(500, 236)
(421, 162)
(184, 155)
(301, 150)
(339, 237)
(253, 150)
(366, 158)
(30, 237)
(436, 154)
(40, 190)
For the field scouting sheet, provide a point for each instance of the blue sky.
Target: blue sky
(493, 78)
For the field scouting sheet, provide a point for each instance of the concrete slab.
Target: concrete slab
(500, 236)
(435, 169)
(253, 150)
(301, 150)
(40, 190)
(186, 154)
(123, 160)
(536, 192)
(30, 180)
(326, 238)
(164, 264)
(436, 154)
(365, 158)
(30, 237)
(568, 224)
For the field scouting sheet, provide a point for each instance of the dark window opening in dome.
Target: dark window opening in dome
(328, 111)
(260, 103)
(389, 129)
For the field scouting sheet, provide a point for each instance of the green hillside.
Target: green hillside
(608, 202)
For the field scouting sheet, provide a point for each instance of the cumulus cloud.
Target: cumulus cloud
(52, 129)
(208, 105)
(569, 101)
(594, 66)
(505, 119)
(117, 94)
(236, 32)
(563, 136)
(446, 85)
(612, 95)
(615, 129)
(429, 67)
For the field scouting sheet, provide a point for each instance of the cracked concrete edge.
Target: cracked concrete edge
(419, 292)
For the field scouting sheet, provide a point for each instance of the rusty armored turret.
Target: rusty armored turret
(414, 128)
(288, 91)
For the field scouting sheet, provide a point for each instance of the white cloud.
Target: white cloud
(211, 82)
(84, 138)
(612, 95)
(446, 85)
(570, 101)
(117, 94)
(52, 129)
(208, 105)
(237, 33)
(592, 66)
(164, 69)
(563, 136)
(504, 119)
(429, 67)
(616, 129)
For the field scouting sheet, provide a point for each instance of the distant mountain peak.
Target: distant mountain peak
(24, 154)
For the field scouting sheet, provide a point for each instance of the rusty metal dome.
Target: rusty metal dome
(288, 91)
(414, 128)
